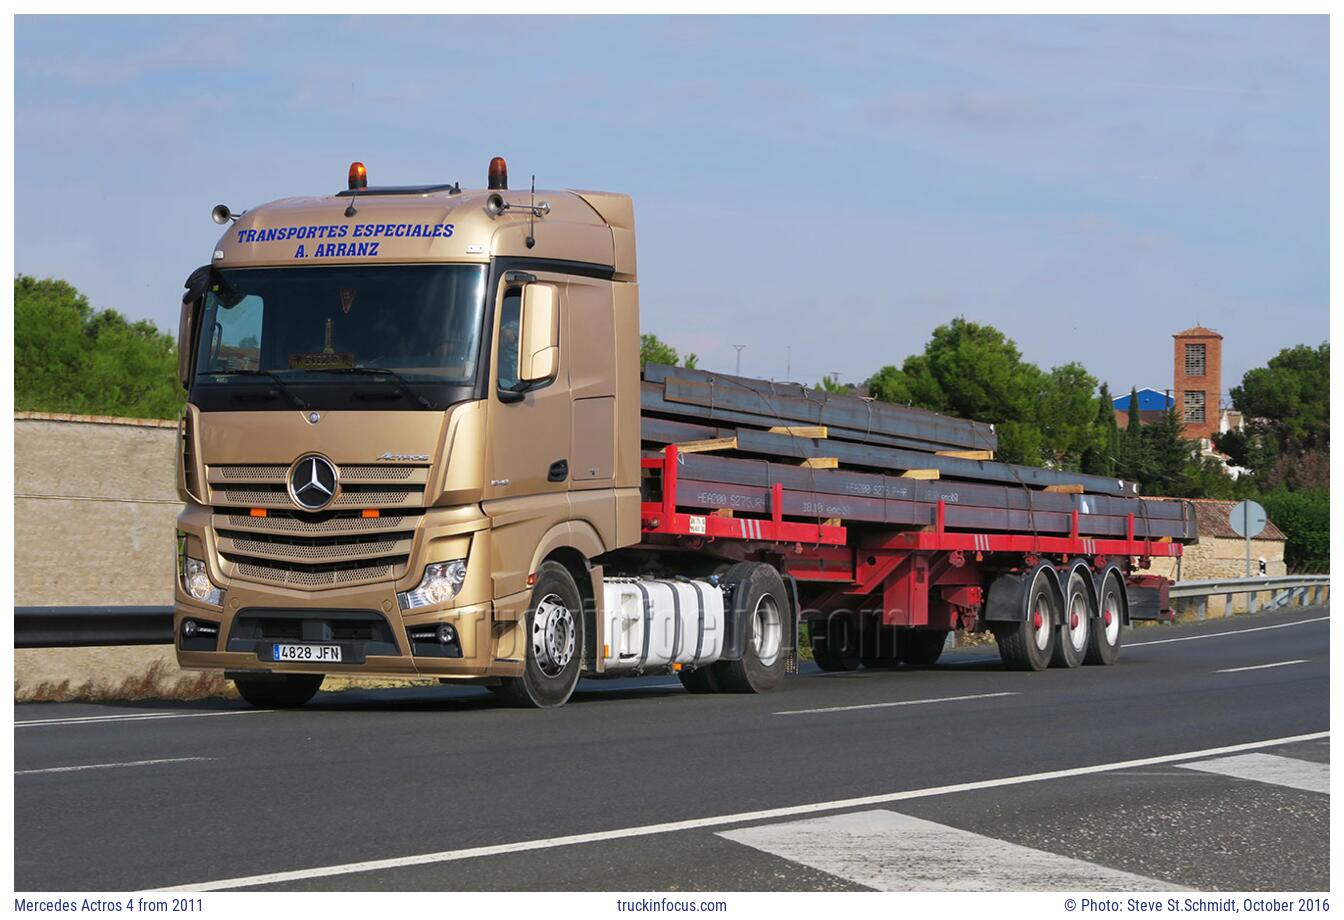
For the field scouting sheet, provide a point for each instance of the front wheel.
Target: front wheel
(285, 691)
(762, 606)
(555, 637)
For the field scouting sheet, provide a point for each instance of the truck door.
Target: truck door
(528, 435)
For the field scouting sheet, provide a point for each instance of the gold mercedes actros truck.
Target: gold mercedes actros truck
(412, 448)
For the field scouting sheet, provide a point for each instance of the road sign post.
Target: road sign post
(1248, 519)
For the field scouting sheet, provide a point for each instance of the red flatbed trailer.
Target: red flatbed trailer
(929, 579)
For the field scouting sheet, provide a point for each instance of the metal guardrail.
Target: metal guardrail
(1283, 590)
(81, 627)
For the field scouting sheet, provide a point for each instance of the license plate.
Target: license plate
(282, 652)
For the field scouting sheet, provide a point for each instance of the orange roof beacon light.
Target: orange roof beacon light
(359, 176)
(499, 174)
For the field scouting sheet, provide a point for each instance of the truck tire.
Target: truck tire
(1103, 643)
(701, 680)
(921, 648)
(555, 637)
(289, 692)
(834, 644)
(881, 648)
(1029, 643)
(1072, 642)
(762, 606)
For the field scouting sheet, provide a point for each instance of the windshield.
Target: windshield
(317, 333)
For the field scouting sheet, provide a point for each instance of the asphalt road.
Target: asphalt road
(1184, 766)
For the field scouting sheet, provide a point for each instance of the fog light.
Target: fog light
(188, 628)
(440, 584)
(196, 582)
(445, 634)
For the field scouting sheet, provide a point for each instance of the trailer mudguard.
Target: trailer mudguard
(1008, 594)
(1100, 581)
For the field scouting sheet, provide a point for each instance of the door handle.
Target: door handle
(558, 472)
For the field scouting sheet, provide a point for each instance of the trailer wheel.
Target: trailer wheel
(288, 692)
(555, 638)
(1072, 642)
(1029, 643)
(921, 648)
(835, 644)
(1103, 644)
(761, 605)
(701, 680)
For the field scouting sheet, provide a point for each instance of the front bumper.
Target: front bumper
(365, 621)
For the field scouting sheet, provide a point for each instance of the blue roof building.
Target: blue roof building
(1150, 400)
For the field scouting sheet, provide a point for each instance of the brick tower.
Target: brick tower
(1199, 380)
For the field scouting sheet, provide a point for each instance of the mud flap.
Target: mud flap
(1149, 598)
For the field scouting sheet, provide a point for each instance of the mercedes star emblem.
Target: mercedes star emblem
(312, 482)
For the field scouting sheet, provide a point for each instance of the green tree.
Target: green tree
(829, 384)
(1286, 405)
(1168, 455)
(69, 358)
(1100, 459)
(974, 371)
(1304, 518)
(653, 350)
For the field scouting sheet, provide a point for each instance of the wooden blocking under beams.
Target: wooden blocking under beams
(966, 454)
(920, 474)
(1069, 488)
(801, 431)
(821, 463)
(700, 447)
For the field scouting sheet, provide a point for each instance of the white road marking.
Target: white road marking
(1234, 632)
(645, 830)
(109, 766)
(1268, 768)
(136, 717)
(941, 699)
(890, 851)
(1257, 667)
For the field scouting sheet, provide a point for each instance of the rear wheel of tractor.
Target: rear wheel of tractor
(880, 644)
(762, 605)
(921, 648)
(701, 680)
(1103, 645)
(1071, 643)
(289, 692)
(1027, 644)
(554, 634)
(835, 643)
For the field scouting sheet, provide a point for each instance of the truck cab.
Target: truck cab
(410, 411)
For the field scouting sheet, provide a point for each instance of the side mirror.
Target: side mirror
(185, 323)
(539, 334)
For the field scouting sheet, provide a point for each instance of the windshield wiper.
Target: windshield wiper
(284, 387)
(394, 378)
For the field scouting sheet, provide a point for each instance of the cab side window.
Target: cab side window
(508, 338)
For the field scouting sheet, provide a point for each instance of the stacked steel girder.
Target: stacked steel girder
(875, 444)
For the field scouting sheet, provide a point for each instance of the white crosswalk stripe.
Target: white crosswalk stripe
(1269, 768)
(890, 851)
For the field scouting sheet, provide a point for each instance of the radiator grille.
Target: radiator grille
(336, 546)
(315, 576)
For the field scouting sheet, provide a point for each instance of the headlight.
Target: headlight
(441, 583)
(197, 583)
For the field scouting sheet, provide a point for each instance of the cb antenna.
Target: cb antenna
(532, 215)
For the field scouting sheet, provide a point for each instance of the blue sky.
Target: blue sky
(837, 185)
